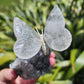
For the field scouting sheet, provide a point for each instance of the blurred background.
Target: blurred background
(69, 67)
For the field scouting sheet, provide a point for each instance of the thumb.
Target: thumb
(7, 75)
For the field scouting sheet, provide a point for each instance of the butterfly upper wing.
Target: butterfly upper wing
(28, 41)
(55, 34)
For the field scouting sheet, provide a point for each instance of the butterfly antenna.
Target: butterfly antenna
(37, 31)
(42, 30)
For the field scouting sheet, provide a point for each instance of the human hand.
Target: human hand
(8, 76)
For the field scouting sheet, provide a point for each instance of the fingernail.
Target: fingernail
(52, 55)
(52, 62)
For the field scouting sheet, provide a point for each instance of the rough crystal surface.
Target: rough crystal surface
(33, 67)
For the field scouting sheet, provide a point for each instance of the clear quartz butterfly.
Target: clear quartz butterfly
(29, 42)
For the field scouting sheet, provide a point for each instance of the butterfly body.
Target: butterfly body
(43, 44)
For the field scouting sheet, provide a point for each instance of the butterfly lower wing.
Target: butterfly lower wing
(28, 41)
(56, 35)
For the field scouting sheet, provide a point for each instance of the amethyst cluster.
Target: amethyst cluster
(34, 67)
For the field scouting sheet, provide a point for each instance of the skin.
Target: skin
(8, 76)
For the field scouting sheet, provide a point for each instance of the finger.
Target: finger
(52, 54)
(2, 82)
(52, 61)
(19, 80)
(7, 75)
